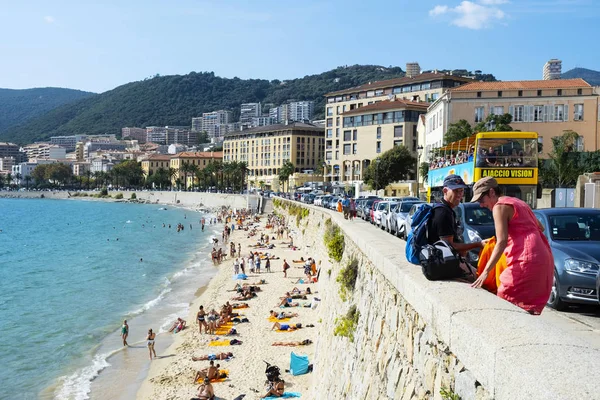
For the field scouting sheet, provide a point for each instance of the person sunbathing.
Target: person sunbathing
(287, 302)
(205, 391)
(305, 342)
(302, 292)
(211, 372)
(244, 296)
(282, 314)
(210, 357)
(286, 327)
(301, 260)
(178, 325)
(275, 388)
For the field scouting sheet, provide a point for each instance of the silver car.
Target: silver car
(399, 217)
(408, 220)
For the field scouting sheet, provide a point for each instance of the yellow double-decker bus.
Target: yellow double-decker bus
(510, 157)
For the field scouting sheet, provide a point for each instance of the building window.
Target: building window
(328, 155)
(478, 94)
(347, 136)
(337, 109)
(520, 93)
(578, 112)
(539, 92)
(379, 92)
(337, 120)
(538, 113)
(329, 111)
(580, 91)
(370, 93)
(499, 110)
(397, 143)
(399, 131)
(354, 150)
(329, 133)
(355, 135)
(559, 113)
(378, 132)
(478, 114)
(559, 92)
(518, 114)
(499, 93)
(329, 122)
(337, 155)
(347, 148)
(378, 147)
(337, 132)
(579, 143)
(343, 109)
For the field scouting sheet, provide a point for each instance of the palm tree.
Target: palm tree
(193, 169)
(172, 174)
(184, 169)
(97, 178)
(9, 179)
(219, 171)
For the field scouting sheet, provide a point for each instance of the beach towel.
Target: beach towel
(298, 364)
(240, 276)
(286, 395)
(213, 380)
(275, 319)
(239, 306)
(219, 343)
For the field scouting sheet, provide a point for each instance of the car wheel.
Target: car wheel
(554, 301)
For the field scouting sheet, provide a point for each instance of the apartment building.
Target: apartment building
(12, 150)
(423, 88)
(301, 110)
(249, 111)
(366, 133)
(265, 149)
(552, 69)
(212, 121)
(156, 134)
(412, 69)
(200, 159)
(68, 142)
(45, 151)
(548, 107)
(138, 134)
(81, 168)
(154, 162)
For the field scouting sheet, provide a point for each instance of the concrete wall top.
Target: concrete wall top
(513, 354)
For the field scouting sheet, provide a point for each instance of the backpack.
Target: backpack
(417, 238)
(441, 261)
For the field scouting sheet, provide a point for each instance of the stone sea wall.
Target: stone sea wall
(415, 339)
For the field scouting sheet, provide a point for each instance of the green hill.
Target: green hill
(20, 106)
(590, 76)
(174, 100)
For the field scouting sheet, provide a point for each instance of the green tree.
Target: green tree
(562, 168)
(58, 173)
(287, 169)
(495, 123)
(27, 181)
(39, 173)
(193, 169)
(458, 130)
(424, 171)
(393, 165)
(129, 173)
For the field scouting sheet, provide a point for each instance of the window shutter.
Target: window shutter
(528, 111)
(545, 116)
(566, 112)
(552, 113)
(511, 111)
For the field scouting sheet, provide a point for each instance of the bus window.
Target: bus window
(506, 153)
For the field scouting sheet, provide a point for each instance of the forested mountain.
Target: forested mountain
(174, 100)
(590, 76)
(20, 106)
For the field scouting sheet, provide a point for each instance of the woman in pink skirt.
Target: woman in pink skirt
(527, 279)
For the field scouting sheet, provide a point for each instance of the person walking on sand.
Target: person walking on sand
(286, 266)
(125, 332)
(268, 264)
(236, 266)
(150, 341)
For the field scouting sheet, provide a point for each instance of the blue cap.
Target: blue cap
(454, 182)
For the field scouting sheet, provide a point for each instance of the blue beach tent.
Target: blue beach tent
(298, 364)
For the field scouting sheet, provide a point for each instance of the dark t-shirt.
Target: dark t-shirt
(442, 223)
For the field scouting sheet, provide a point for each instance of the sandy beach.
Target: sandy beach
(171, 375)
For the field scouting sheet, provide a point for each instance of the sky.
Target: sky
(97, 46)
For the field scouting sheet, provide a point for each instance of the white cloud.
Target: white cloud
(49, 19)
(472, 15)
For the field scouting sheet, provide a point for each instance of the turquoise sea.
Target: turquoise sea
(72, 270)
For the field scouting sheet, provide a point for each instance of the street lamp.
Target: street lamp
(419, 151)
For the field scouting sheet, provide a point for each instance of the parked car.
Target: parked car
(399, 216)
(365, 211)
(333, 202)
(474, 224)
(325, 201)
(408, 220)
(318, 199)
(372, 209)
(574, 236)
(378, 212)
(387, 214)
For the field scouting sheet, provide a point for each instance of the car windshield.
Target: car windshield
(575, 227)
(405, 207)
(478, 216)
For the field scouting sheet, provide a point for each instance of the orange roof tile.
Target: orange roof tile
(158, 157)
(387, 105)
(520, 85)
(429, 76)
(199, 154)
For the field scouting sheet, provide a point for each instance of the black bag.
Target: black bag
(440, 261)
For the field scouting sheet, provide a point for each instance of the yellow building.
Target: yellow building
(423, 88)
(266, 148)
(200, 159)
(155, 161)
(548, 107)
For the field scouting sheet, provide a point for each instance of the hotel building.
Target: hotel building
(410, 96)
(200, 159)
(552, 69)
(138, 134)
(265, 149)
(548, 107)
(154, 162)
